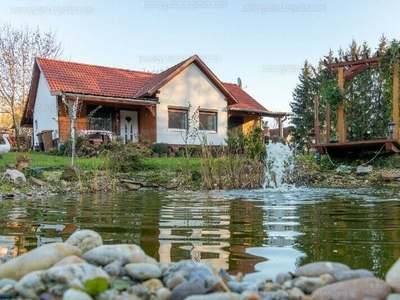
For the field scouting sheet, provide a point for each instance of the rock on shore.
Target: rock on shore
(83, 268)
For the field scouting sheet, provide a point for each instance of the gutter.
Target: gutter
(263, 112)
(144, 101)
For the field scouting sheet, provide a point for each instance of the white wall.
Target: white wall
(45, 110)
(191, 85)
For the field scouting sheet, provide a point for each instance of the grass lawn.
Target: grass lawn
(44, 160)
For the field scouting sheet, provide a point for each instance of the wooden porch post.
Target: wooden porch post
(341, 126)
(395, 112)
(328, 123)
(316, 120)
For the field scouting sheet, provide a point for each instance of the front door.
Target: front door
(129, 125)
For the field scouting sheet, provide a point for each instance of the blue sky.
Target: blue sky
(265, 43)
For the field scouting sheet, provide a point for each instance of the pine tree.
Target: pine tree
(303, 106)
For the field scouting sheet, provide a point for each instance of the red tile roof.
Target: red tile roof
(158, 79)
(91, 79)
(72, 77)
(246, 102)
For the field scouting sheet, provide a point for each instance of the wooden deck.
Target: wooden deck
(347, 147)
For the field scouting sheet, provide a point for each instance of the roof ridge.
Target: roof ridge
(94, 65)
(162, 76)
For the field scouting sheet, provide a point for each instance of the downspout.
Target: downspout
(281, 120)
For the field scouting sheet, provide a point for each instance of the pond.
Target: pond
(257, 232)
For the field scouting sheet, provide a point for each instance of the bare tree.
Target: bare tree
(18, 49)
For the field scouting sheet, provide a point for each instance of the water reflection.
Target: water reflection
(259, 233)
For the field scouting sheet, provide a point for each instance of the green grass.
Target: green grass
(44, 160)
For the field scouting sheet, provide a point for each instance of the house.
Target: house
(139, 106)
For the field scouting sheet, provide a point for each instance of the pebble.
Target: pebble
(85, 240)
(186, 289)
(393, 276)
(309, 284)
(122, 253)
(318, 268)
(125, 272)
(354, 289)
(350, 274)
(74, 294)
(143, 271)
(40, 258)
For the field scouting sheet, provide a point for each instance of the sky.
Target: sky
(265, 43)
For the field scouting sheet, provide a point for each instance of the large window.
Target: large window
(208, 120)
(99, 118)
(177, 118)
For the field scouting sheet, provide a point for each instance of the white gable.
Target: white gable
(192, 87)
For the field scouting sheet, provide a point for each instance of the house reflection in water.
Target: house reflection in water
(218, 234)
(8, 246)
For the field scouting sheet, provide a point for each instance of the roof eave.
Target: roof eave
(261, 112)
(102, 97)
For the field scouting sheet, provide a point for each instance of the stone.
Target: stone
(282, 277)
(191, 271)
(344, 169)
(140, 291)
(216, 296)
(163, 294)
(133, 186)
(350, 274)
(74, 294)
(143, 271)
(72, 259)
(121, 253)
(72, 173)
(390, 176)
(316, 269)
(153, 285)
(363, 170)
(393, 276)
(36, 181)
(40, 258)
(14, 176)
(295, 293)
(186, 289)
(85, 240)
(249, 295)
(31, 285)
(60, 278)
(354, 289)
(309, 284)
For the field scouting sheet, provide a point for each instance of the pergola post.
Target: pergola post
(395, 113)
(341, 126)
(316, 119)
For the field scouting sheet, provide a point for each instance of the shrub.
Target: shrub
(123, 157)
(66, 148)
(159, 148)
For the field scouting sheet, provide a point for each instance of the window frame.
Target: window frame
(99, 117)
(178, 110)
(209, 112)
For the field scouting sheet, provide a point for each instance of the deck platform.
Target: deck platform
(370, 145)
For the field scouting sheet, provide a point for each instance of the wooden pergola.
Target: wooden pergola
(347, 70)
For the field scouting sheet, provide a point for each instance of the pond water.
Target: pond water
(257, 232)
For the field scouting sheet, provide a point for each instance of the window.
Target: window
(208, 120)
(101, 119)
(177, 118)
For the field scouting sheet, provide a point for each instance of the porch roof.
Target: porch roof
(248, 105)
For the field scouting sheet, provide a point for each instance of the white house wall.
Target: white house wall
(191, 86)
(45, 110)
